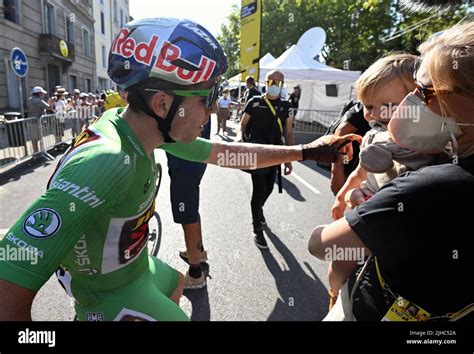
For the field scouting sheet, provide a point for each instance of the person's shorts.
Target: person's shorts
(144, 299)
(184, 189)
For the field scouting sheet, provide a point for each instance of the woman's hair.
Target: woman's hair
(392, 66)
(449, 60)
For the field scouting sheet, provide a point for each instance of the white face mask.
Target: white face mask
(416, 127)
(274, 90)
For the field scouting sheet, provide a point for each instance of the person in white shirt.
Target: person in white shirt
(61, 108)
(225, 103)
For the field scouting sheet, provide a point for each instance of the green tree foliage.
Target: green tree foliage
(229, 39)
(357, 30)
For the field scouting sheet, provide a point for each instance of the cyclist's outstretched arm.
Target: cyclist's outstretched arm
(247, 156)
(15, 302)
(241, 155)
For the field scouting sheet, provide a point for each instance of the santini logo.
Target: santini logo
(82, 193)
(37, 337)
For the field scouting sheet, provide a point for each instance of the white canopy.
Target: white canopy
(296, 66)
(267, 58)
(313, 78)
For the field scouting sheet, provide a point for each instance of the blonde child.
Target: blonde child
(380, 88)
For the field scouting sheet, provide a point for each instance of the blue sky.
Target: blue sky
(209, 13)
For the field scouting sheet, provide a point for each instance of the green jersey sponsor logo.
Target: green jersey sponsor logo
(82, 193)
(42, 223)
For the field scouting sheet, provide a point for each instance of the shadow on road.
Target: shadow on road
(324, 171)
(28, 167)
(302, 298)
(199, 298)
(292, 190)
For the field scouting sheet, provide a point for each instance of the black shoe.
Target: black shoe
(260, 240)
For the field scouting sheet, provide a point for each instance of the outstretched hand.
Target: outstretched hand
(331, 148)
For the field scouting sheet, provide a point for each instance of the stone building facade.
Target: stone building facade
(58, 38)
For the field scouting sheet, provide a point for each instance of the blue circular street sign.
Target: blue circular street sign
(19, 62)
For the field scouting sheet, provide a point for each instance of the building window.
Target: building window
(11, 10)
(102, 84)
(102, 22)
(70, 31)
(49, 19)
(115, 12)
(102, 2)
(104, 57)
(72, 82)
(86, 42)
(88, 83)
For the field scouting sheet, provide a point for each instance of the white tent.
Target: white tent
(267, 58)
(312, 77)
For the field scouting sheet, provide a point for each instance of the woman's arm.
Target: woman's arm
(326, 238)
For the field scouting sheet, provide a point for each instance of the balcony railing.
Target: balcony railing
(51, 44)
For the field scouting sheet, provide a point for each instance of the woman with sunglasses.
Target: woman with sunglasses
(92, 221)
(415, 228)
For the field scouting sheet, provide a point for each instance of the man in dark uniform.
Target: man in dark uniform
(266, 120)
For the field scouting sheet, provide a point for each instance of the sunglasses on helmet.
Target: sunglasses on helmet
(210, 95)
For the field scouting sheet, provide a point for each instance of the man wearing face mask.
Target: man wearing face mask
(266, 120)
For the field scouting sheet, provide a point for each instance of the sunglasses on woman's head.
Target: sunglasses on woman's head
(424, 92)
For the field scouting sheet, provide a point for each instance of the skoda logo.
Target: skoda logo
(42, 223)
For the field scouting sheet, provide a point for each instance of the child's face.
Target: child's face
(381, 105)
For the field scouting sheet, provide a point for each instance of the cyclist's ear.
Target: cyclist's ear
(160, 103)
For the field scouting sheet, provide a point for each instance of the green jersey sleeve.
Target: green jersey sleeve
(198, 151)
(82, 188)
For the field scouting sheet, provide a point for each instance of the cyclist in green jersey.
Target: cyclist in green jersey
(91, 225)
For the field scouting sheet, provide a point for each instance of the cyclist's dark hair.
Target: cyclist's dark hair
(136, 91)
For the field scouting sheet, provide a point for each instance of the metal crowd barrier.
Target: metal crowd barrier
(22, 139)
(310, 121)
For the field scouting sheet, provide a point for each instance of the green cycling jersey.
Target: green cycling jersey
(93, 219)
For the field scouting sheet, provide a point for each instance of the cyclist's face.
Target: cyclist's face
(190, 118)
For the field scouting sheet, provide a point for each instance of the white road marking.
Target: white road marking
(309, 186)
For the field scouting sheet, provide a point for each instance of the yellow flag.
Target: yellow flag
(250, 24)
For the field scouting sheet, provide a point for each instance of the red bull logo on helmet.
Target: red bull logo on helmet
(143, 52)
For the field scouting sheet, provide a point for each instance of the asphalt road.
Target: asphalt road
(244, 283)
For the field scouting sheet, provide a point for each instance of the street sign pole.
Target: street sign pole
(19, 64)
(21, 98)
